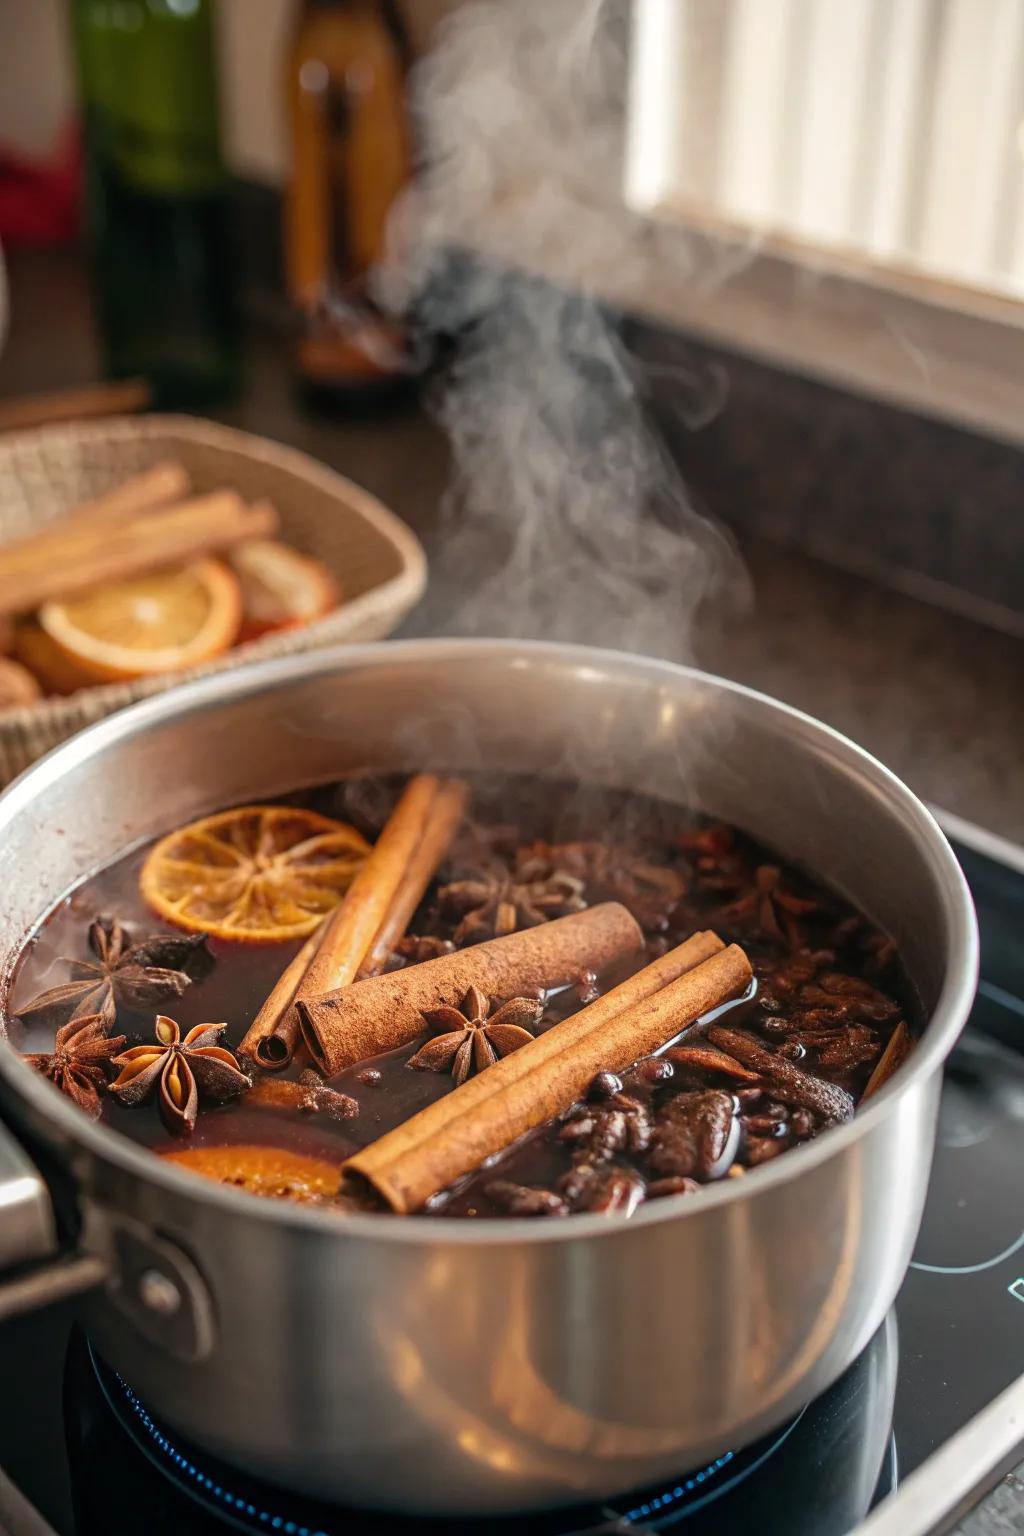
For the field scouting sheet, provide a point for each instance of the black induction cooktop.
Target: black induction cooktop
(922, 1424)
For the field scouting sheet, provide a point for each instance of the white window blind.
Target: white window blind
(892, 130)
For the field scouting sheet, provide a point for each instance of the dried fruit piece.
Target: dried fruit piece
(674, 1186)
(281, 589)
(260, 873)
(617, 1194)
(269, 1171)
(836, 998)
(605, 1086)
(845, 1050)
(694, 1134)
(310, 1094)
(705, 1058)
(54, 671)
(788, 1082)
(521, 1200)
(146, 625)
(577, 1185)
(761, 1149)
(17, 685)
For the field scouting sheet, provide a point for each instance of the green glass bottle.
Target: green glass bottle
(157, 195)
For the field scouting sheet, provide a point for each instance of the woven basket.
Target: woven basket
(378, 563)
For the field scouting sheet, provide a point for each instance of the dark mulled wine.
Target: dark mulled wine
(372, 949)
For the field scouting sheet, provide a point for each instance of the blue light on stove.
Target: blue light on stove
(655, 1506)
(229, 1500)
(695, 1485)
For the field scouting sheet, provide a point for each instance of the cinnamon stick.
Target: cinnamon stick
(61, 564)
(159, 486)
(272, 1037)
(642, 984)
(110, 398)
(892, 1058)
(353, 926)
(260, 1043)
(386, 1011)
(426, 1153)
(442, 823)
(163, 484)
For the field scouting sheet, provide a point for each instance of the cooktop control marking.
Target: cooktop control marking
(971, 1269)
(1016, 1288)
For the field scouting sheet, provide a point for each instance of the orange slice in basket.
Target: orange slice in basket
(53, 670)
(160, 622)
(17, 685)
(260, 874)
(281, 589)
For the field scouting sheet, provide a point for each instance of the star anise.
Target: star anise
(492, 903)
(77, 1063)
(716, 864)
(770, 908)
(473, 1037)
(137, 976)
(612, 873)
(182, 1072)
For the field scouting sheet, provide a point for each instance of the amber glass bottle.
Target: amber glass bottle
(351, 158)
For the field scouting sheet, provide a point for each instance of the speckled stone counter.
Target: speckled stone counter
(940, 700)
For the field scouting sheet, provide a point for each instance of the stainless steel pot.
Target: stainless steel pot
(447, 1366)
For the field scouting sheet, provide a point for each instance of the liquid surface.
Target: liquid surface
(830, 993)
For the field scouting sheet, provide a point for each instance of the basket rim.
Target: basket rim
(398, 594)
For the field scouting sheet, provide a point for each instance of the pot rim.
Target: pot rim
(946, 1021)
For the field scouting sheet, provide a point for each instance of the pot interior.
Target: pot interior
(559, 712)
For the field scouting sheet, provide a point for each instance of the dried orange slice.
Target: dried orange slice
(54, 671)
(17, 685)
(260, 874)
(155, 623)
(281, 589)
(270, 1171)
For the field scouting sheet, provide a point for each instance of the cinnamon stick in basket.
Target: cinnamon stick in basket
(386, 1011)
(371, 918)
(63, 563)
(427, 1152)
(163, 483)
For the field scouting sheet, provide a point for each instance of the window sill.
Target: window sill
(946, 353)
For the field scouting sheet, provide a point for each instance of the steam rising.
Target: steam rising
(566, 519)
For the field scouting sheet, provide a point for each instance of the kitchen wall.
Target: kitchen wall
(37, 75)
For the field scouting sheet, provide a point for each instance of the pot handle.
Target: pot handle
(146, 1277)
(29, 1247)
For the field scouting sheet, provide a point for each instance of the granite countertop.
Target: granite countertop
(936, 697)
